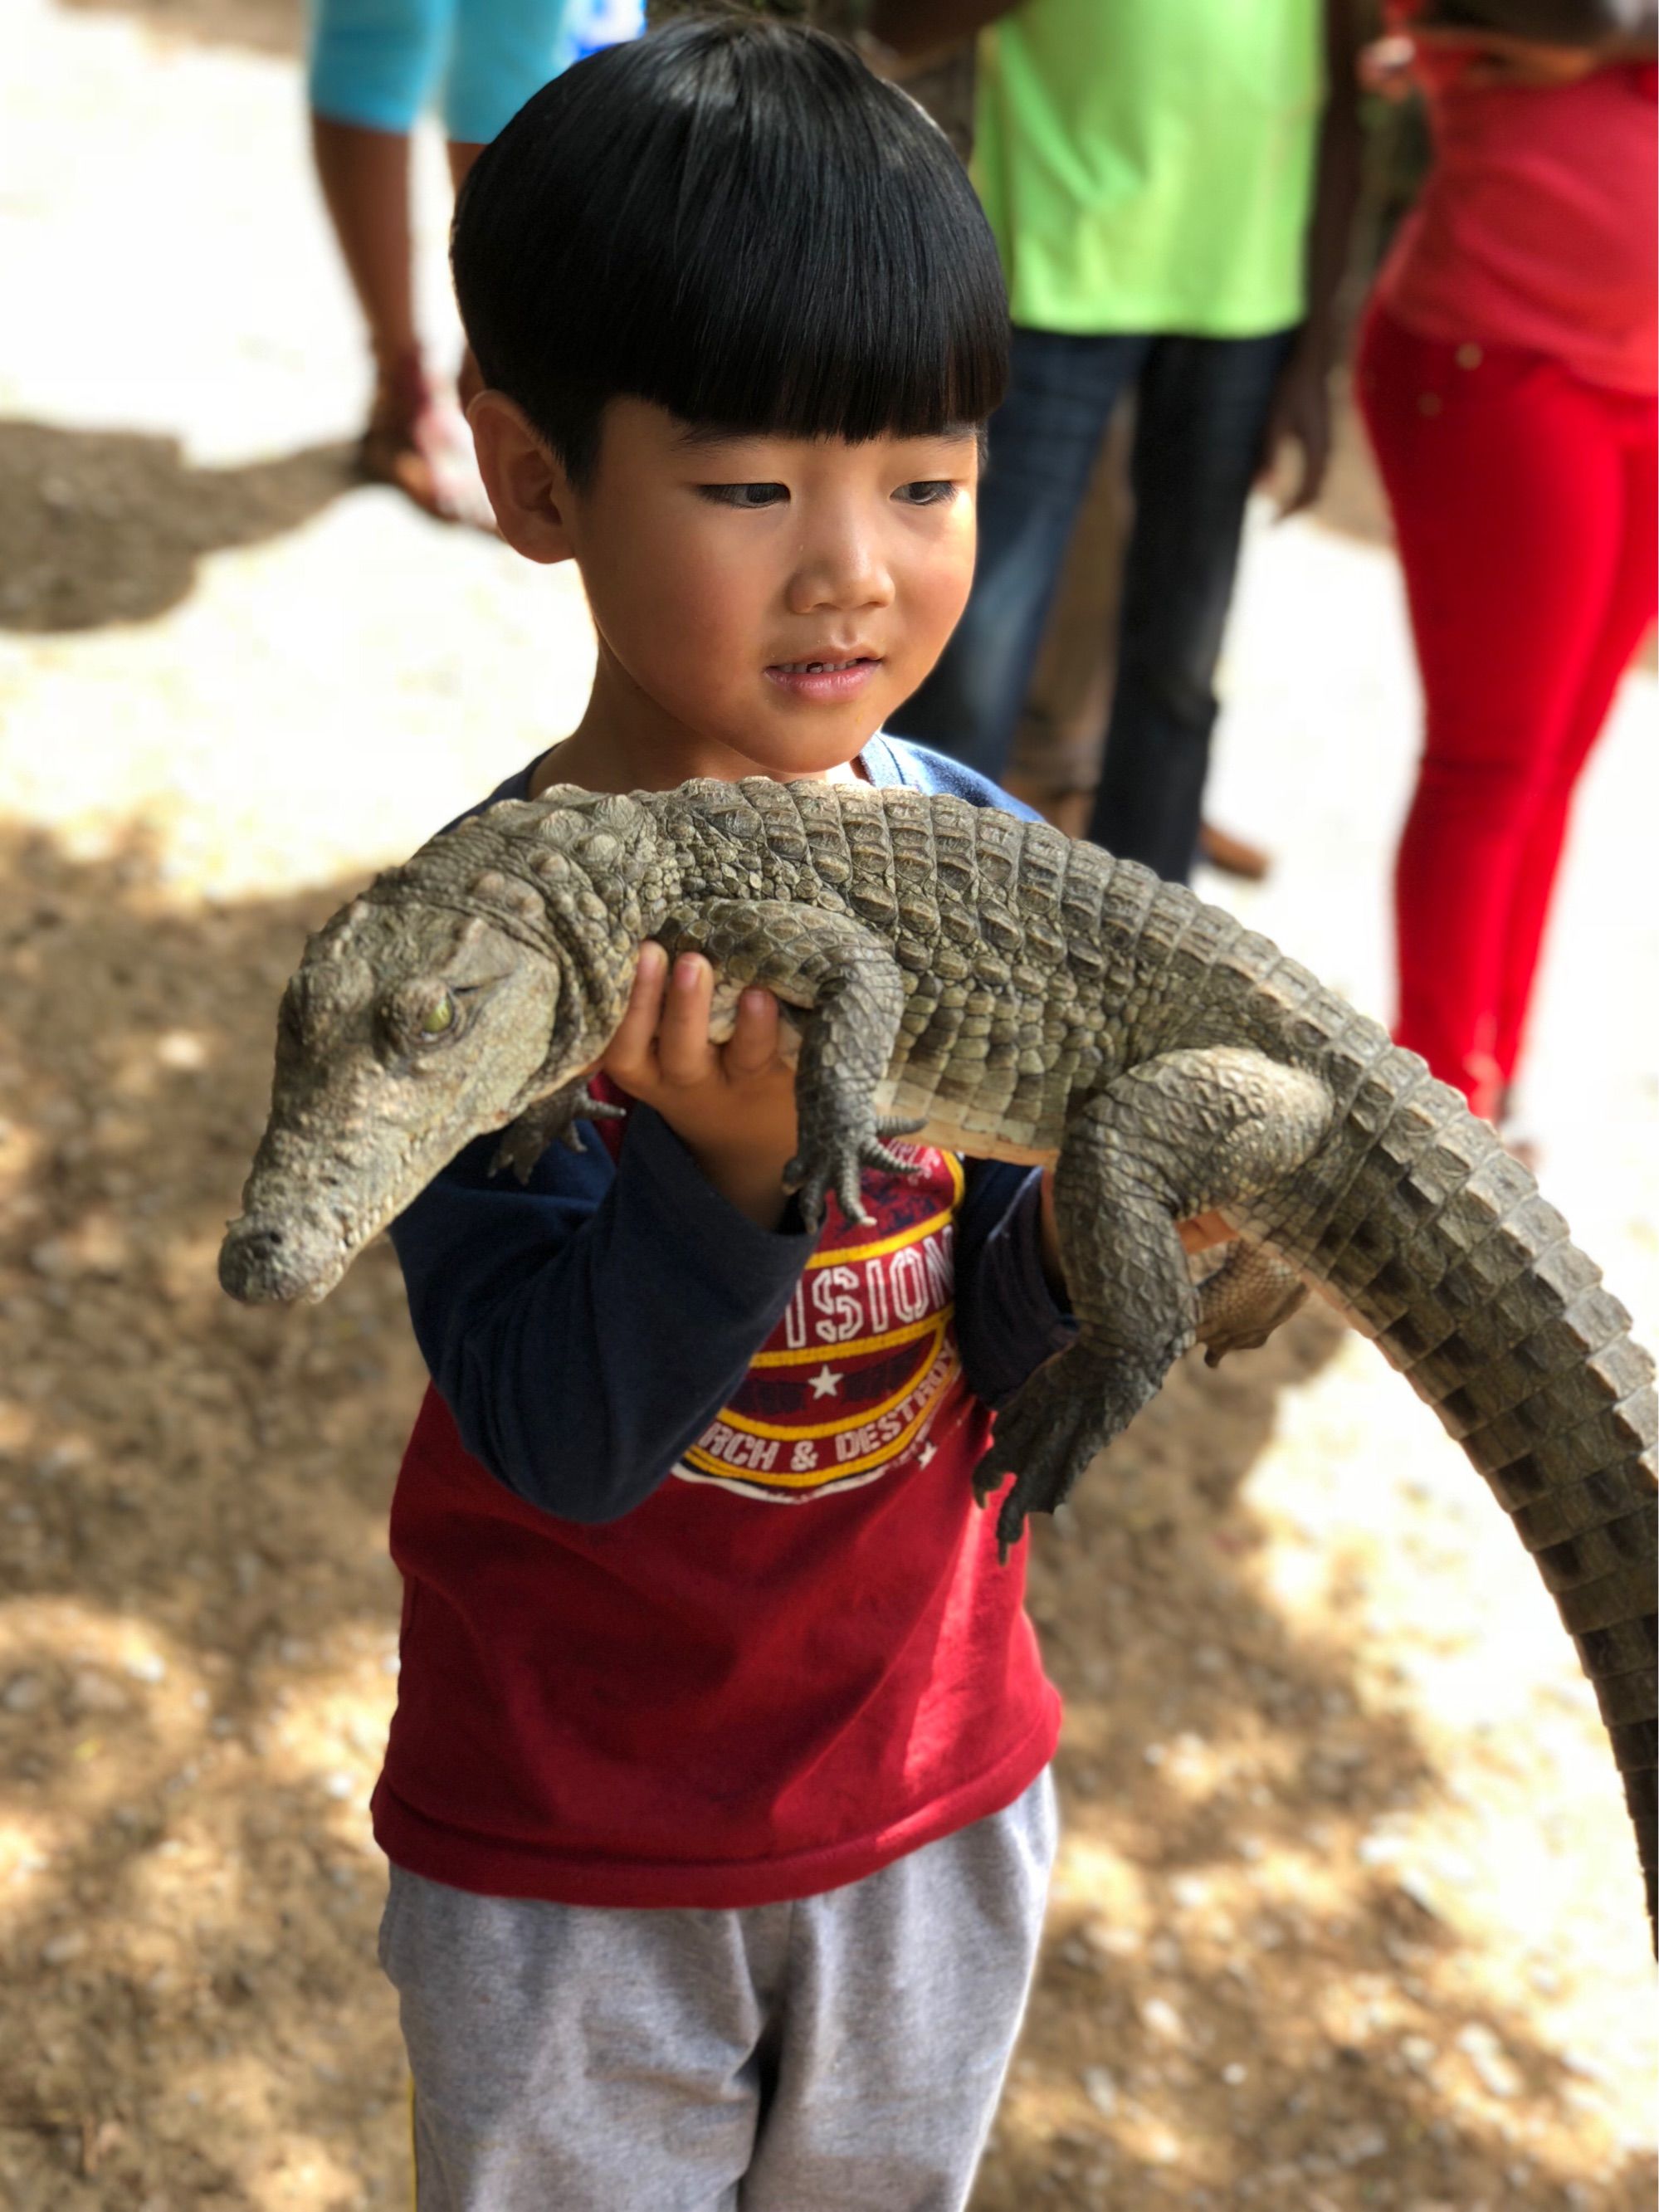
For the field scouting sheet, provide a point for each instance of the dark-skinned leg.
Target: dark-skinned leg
(364, 175)
(468, 379)
(413, 440)
(1203, 407)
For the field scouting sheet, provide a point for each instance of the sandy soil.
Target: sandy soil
(1313, 1942)
(1347, 1914)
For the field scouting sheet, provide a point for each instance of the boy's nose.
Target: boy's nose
(844, 572)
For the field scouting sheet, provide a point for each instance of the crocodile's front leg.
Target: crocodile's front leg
(549, 1121)
(852, 985)
(1173, 1137)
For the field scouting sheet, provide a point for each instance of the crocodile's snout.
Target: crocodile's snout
(263, 1263)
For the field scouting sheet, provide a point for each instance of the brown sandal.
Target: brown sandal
(418, 441)
(1232, 855)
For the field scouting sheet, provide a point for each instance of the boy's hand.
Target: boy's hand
(732, 1105)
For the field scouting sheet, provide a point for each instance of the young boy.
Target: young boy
(717, 1795)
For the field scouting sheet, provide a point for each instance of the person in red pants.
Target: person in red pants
(1507, 376)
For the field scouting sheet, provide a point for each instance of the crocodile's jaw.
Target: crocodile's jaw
(293, 1242)
(309, 1207)
(359, 1126)
(272, 1258)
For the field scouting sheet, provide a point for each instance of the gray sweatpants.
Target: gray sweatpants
(843, 2053)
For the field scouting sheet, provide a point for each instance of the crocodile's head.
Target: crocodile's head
(408, 1030)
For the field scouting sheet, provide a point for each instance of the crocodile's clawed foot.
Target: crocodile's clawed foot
(550, 1120)
(836, 1161)
(1063, 1416)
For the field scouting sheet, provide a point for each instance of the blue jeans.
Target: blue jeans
(1203, 405)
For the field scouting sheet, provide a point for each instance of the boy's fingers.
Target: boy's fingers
(754, 1042)
(683, 1051)
(632, 1047)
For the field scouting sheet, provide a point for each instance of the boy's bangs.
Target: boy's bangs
(864, 299)
(739, 223)
(851, 344)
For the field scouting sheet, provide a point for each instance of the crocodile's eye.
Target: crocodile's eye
(439, 1018)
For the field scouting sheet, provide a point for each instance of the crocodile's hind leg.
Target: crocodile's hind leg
(1243, 1302)
(1176, 1136)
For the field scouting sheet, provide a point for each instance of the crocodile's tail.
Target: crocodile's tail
(1435, 1240)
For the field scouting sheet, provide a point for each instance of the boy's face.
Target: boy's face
(775, 598)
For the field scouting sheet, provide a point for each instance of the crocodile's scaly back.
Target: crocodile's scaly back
(1008, 992)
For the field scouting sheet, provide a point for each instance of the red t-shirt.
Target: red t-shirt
(1537, 226)
(796, 1661)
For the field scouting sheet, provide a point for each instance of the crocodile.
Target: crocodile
(993, 987)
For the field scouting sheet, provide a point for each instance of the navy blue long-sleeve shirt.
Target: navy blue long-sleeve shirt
(585, 1328)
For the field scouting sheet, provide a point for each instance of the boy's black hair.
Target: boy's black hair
(735, 219)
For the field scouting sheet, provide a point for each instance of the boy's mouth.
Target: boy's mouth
(828, 679)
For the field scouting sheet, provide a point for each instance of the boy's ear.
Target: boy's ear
(527, 485)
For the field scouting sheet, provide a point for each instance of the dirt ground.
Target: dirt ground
(1347, 1913)
(1265, 1979)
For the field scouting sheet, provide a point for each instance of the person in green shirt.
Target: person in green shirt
(1171, 183)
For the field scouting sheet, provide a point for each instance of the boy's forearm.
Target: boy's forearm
(751, 1182)
(913, 28)
(1011, 1315)
(581, 1352)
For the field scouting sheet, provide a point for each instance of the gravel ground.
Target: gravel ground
(1347, 1914)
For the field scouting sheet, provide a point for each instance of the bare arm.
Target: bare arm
(912, 29)
(1500, 57)
(1336, 189)
(1301, 407)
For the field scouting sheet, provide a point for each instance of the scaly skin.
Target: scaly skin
(1003, 991)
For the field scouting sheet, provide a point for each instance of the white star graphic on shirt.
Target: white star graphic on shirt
(926, 1453)
(825, 1382)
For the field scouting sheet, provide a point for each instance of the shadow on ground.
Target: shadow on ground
(196, 1644)
(99, 526)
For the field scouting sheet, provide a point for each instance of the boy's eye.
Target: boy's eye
(930, 491)
(745, 495)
